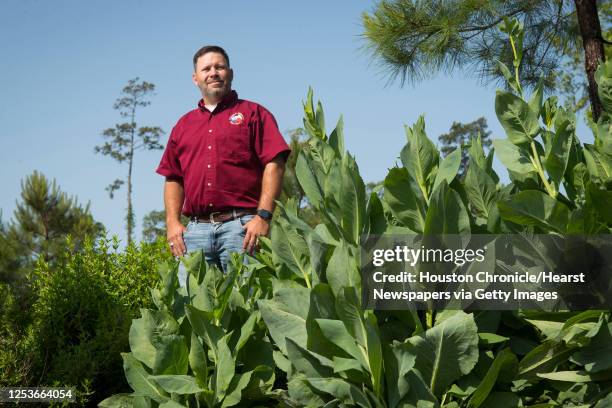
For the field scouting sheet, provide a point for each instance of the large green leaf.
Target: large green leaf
(342, 270)
(177, 384)
(543, 359)
(504, 361)
(420, 155)
(446, 213)
(302, 393)
(600, 199)
(198, 360)
(261, 383)
(597, 355)
(342, 390)
(558, 151)
(603, 75)
(598, 164)
(290, 249)
(576, 376)
(420, 395)
(535, 102)
(225, 368)
(515, 158)
(308, 363)
(481, 190)
(377, 221)
(336, 332)
(246, 331)
(398, 361)
(336, 138)
(405, 205)
(605, 402)
(138, 379)
(308, 180)
(476, 152)
(285, 316)
(516, 117)
(448, 168)
(352, 199)
(118, 401)
(238, 384)
(532, 207)
(155, 340)
(374, 353)
(201, 323)
(446, 351)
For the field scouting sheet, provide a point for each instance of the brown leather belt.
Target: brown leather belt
(218, 217)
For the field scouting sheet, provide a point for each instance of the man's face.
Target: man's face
(213, 76)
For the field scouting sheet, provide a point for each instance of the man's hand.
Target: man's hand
(254, 229)
(175, 238)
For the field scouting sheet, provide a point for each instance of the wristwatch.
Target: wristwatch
(265, 214)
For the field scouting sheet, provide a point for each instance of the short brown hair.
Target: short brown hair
(210, 48)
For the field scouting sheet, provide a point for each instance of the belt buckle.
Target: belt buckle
(212, 217)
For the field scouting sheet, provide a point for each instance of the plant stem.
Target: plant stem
(516, 66)
(428, 319)
(424, 191)
(538, 165)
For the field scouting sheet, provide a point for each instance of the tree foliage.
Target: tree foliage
(123, 140)
(461, 134)
(416, 39)
(44, 216)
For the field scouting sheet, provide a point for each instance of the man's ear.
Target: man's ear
(194, 79)
(231, 72)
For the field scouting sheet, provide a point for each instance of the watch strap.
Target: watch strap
(265, 214)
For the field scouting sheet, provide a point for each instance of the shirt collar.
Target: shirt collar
(229, 99)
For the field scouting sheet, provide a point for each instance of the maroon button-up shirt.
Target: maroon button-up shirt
(220, 155)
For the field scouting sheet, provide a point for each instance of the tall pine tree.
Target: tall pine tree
(125, 138)
(44, 217)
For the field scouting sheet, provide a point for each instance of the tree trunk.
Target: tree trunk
(592, 41)
(130, 210)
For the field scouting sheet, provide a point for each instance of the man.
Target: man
(223, 164)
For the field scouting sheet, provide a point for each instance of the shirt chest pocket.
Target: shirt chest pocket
(234, 143)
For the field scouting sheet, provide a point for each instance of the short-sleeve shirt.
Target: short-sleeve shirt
(219, 156)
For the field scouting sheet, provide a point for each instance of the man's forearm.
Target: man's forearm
(271, 184)
(174, 195)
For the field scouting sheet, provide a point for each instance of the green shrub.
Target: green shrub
(80, 317)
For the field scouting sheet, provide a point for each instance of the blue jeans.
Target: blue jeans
(217, 240)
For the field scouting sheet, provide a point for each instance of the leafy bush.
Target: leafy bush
(80, 317)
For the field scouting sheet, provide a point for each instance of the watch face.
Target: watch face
(265, 214)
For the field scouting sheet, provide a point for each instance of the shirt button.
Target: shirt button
(210, 205)
(209, 130)
(208, 166)
(209, 147)
(209, 184)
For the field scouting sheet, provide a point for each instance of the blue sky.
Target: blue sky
(65, 62)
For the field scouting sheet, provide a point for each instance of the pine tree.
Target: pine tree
(461, 134)
(127, 137)
(416, 39)
(154, 226)
(43, 219)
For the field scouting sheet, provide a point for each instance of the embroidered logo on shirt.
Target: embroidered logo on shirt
(236, 118)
